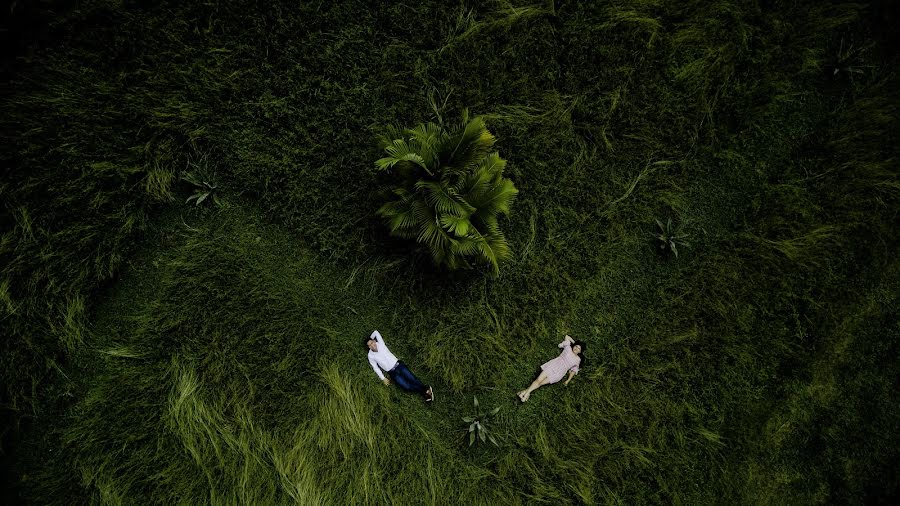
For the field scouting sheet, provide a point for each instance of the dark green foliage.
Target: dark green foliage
(157, 352)
(451, 192)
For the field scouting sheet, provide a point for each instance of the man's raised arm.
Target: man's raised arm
(376, 368)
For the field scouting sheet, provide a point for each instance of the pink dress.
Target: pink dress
(566, 361)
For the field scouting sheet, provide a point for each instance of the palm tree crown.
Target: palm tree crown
(450, 193)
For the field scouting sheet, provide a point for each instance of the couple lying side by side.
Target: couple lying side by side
(381, 359)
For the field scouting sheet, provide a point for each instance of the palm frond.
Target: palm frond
(457, 225)
(454, 261)
(494, 249)
(473, 185)
(425, 139)
(444, 199)
(388, 134)
(467, 246)
(497, 199)
(485, 222)
(398, 214)
(406, 233)
(400, 151)
(403, 193)
(465, 150)
(431, 234)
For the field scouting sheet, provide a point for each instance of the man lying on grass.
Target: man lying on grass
(380, 357)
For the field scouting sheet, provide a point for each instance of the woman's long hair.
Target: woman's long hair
(580, 355)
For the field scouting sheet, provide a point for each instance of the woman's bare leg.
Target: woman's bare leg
(540, 381)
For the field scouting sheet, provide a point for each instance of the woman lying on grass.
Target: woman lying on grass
(551, 372)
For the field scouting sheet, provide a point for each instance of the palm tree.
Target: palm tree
(450, 193)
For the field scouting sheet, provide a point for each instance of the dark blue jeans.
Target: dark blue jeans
(405, 379)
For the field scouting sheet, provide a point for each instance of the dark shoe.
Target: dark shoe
(429, 395)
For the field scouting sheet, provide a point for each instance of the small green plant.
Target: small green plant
(202, 190)
(478, 425)
(670, 237)
(450, 192)
(848, 61)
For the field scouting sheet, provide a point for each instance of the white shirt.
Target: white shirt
(383, 358)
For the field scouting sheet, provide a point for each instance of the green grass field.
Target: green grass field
(161, 352)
